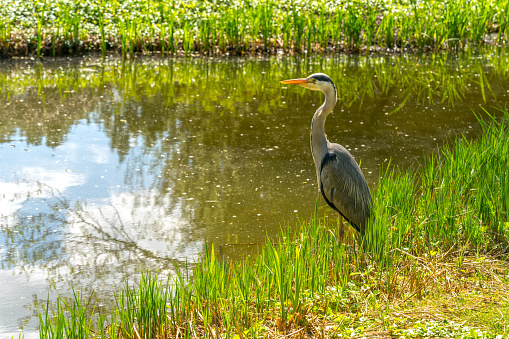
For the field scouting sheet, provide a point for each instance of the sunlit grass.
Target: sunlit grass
(433, 263)
(45, 27)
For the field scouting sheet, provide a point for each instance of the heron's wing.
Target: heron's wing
(343, 186)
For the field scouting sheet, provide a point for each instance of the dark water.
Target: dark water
(112, 168)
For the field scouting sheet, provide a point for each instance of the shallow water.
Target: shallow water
(112, 168)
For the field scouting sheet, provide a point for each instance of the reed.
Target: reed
(370, 25)
(286, 29)
(265, 17)
(39, 37)
(323, 30)
(353, 26)
(502, 19)
(145, 25)
(299, 22)
(336, 30)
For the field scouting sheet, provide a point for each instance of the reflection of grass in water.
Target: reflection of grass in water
(434, 251)
(222, 91)
(69, 27)
(432, 78)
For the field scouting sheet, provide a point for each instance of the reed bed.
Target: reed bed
(44, 27)
(436, 249)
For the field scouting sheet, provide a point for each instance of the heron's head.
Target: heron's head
(315, 82)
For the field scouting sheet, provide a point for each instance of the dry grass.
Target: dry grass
(434, 298)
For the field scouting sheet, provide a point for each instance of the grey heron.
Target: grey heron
(340, 179)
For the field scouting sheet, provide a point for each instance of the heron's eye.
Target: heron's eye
(313, 80)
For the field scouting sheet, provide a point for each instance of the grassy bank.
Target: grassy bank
(432, 263)
(43, 27)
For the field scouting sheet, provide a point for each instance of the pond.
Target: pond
(111, 168)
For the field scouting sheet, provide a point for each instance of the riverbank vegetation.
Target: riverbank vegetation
(433, 263)
(50, 28)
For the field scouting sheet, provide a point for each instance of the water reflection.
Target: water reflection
(109, 168)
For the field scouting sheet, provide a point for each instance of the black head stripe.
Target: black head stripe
(325, 78)
(322, 77)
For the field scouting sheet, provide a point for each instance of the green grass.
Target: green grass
(44, 27)
(433, 262)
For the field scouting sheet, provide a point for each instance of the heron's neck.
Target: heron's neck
(318, 137)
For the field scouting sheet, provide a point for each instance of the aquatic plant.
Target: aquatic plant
(68, 27)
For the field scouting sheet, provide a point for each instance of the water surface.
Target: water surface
(109, 168)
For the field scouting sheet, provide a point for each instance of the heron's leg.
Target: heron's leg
(341, 227)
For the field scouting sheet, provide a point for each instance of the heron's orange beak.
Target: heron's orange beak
(302, 81)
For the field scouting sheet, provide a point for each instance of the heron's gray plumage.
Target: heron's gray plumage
(343, 186)
(340, 179)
